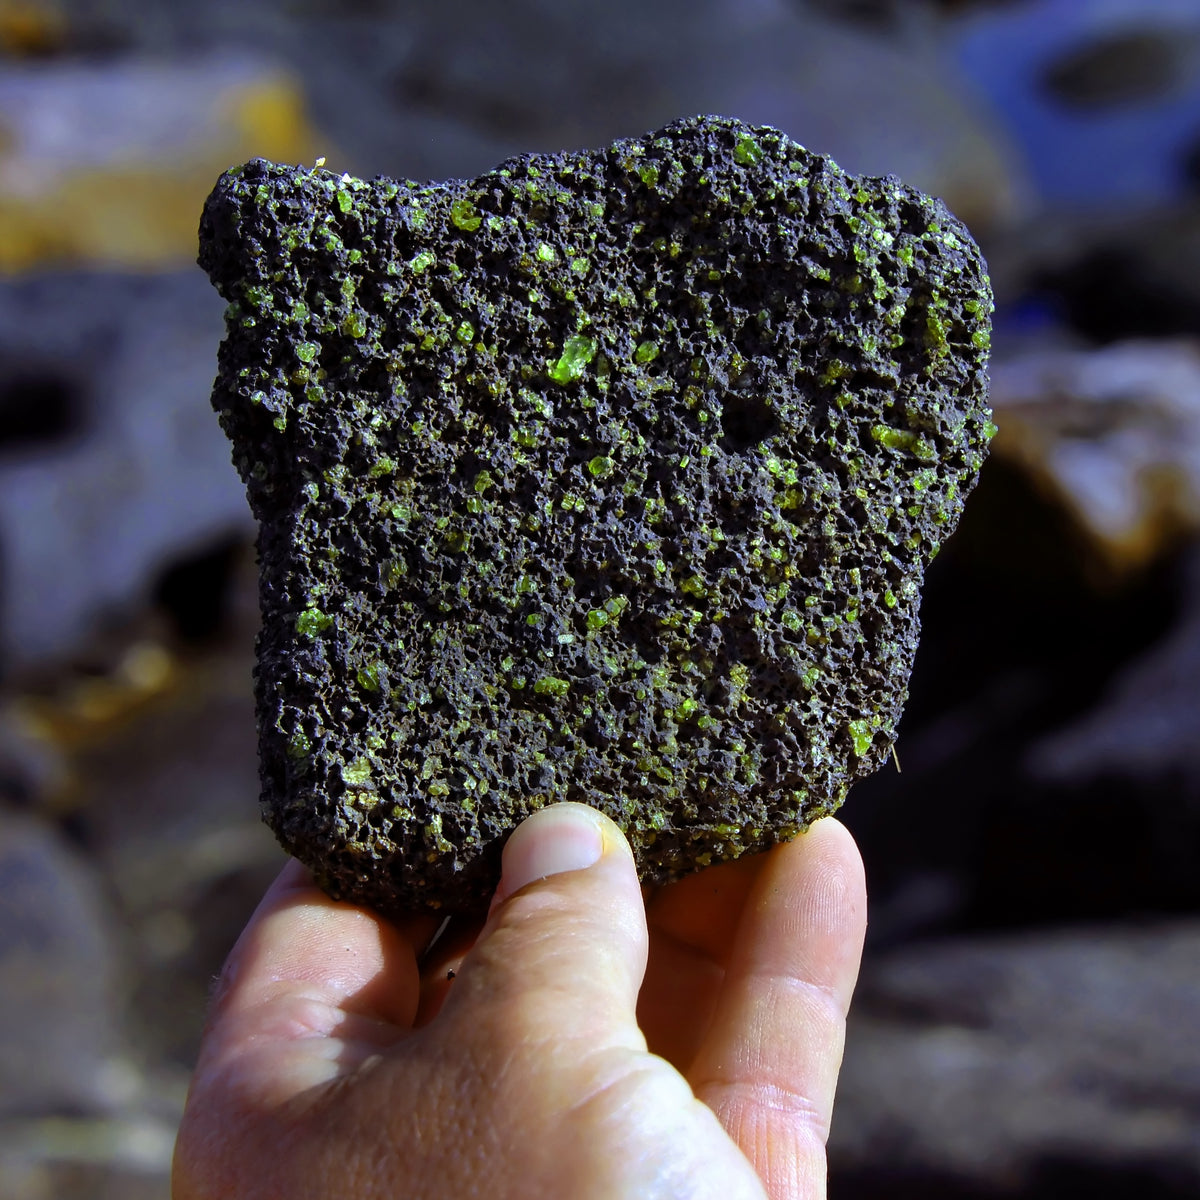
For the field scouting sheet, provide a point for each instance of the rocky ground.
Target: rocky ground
(1033, 975)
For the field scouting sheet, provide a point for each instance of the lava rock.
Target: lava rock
(605, 476)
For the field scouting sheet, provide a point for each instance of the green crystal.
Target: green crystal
(577, 353)
(312, 622)
(464, 216)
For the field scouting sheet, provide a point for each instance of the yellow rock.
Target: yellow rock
(109, 166)
(1113, 435)
(30, 27)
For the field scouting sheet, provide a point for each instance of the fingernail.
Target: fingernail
(559, 838)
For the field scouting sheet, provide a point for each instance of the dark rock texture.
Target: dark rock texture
(608, 476)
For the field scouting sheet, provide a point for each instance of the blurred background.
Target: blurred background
(1027, 1020)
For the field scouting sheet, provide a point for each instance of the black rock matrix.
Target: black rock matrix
(607, 476)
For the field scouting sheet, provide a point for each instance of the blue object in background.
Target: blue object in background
(1103, 96)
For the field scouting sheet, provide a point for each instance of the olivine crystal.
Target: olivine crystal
(606, 476)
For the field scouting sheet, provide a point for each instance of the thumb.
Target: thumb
(564, 948)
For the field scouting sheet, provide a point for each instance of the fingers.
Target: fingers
(564, 948)
(693, 924)
(703, 911)
(441, 964)
(312, 991)
(307, 969)
(300, 937)
(769, 1066)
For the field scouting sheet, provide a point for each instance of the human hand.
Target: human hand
(588, 1045)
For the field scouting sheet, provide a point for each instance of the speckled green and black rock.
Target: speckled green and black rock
(606, 476)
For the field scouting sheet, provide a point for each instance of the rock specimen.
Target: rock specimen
(605, 476)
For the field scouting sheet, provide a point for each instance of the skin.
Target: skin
(593, 1041)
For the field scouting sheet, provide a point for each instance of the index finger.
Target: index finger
(312, 985)
(769, 1065)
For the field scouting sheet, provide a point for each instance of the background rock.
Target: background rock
(111, 463)
(172, 820)
(60, 972)
(1101, 94)
(1147, 726)
(1114, 435)
(103, 166)
(1033, 1066)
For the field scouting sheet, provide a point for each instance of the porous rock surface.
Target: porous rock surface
(606, 476)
